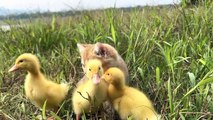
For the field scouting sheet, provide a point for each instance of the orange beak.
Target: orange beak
(12, 69)
(103, 76)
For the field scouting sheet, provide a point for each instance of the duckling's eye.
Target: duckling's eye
(99, 68)
(21, 61)
(89, 69)
(108, 74)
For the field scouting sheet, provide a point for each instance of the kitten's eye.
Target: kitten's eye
(89, 69)
(97, 53)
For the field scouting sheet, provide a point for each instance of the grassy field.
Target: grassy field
(168, 51)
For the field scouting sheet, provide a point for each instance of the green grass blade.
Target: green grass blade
(202, 82)
(113, 33)
(158, 76)
(53, 23)
(170, 98)
(44, 110)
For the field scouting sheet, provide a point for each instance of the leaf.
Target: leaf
(158, 76)
(202, 82)
(202, 61)
(170, 97)
(141, 72)
(53, 23)
(23, 107)
(206, 81)
(55, 116)
(191, 78)
(44, 110)
(112, 31)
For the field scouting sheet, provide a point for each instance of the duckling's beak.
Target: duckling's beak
(14, 68)
(96, 78)
(104, 77)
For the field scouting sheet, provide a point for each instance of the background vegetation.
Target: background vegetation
(168, 51)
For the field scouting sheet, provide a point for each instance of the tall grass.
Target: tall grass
(168, 51)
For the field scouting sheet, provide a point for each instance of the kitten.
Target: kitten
(104, 52)
(109, 58)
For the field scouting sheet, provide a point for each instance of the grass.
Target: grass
(168, 51)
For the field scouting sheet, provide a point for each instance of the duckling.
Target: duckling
(38, 88)
(127, 101)
(89, 95)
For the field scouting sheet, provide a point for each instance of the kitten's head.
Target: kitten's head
(102, 51)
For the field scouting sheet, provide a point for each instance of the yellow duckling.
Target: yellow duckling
(127, 101)
(37, 88)
(89, 95)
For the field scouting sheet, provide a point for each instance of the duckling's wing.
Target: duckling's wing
(56, 92)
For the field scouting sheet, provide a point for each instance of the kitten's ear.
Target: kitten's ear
(100, 50)
(81, 47)
(97, 47)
